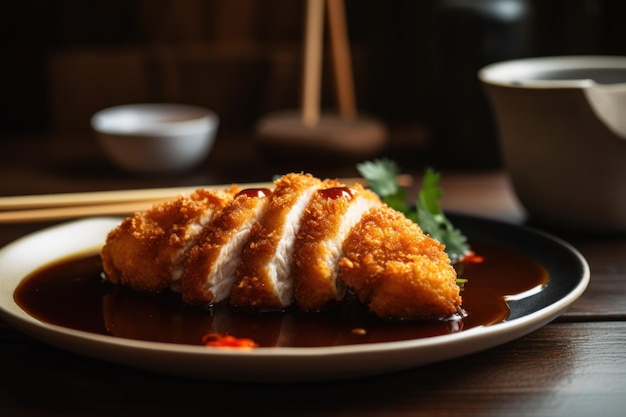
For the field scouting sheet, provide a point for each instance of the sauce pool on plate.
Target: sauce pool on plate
(72, 293)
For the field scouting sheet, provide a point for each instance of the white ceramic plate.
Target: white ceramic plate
(569, 276)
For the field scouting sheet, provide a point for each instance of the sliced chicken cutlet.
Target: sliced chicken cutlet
(209, 272)
(397, 270)
(328, 219)
(264, 279)
(147, 250)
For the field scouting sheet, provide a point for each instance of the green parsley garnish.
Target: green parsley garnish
(381, 176)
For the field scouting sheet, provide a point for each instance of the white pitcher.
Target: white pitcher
(562, 130)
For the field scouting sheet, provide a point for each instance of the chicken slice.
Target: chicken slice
(397, 270)
(264, 279)
(147, 250)
(209, 272)
(328, 219)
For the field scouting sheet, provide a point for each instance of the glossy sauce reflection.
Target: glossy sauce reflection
(71, 293)
(336, 192)
(255, 192)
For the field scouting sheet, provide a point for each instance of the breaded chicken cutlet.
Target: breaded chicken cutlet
(329, 217)
(209, 272)
(396, 269)
(264, 280)
(147, 250)
(300, 244)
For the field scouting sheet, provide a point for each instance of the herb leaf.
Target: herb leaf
(381, 176)
(433, 221)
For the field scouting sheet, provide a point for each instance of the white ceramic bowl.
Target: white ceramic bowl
(156, 137)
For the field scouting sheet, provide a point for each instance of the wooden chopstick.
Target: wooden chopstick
(88, 198)
(49, 207)
(60, 213)
(342, 61)
(46, 207)
(313, 53)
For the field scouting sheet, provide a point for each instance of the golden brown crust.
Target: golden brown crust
(143, 250)
(292, 251)
(264, 267)
(208, 259)
(398, 270)
(325, 223)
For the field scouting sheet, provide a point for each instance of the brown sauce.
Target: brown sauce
(335, 193)
(72, 293)
(255, 192)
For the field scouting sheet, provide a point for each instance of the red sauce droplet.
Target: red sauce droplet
(336, 192)
(255, 192)
(228, 341)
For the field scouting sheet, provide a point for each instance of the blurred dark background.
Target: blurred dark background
(415, 62)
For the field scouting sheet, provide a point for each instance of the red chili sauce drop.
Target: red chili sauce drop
(72, 293)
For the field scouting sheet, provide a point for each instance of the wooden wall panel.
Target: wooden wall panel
(65, 59)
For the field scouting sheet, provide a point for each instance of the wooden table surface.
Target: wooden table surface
(574, 366)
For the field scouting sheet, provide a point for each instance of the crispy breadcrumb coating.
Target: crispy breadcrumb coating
(328, 219)
(264, 274)
(397, 270)
(304, 242)
(209, 272)
(147, 249)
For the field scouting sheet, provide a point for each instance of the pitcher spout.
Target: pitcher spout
(608, 102)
